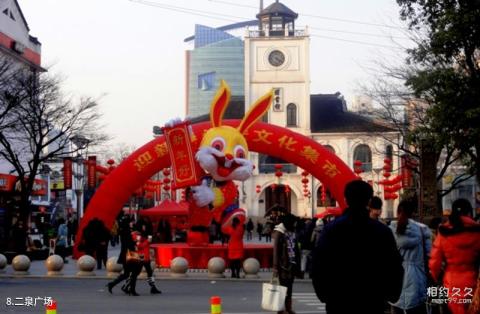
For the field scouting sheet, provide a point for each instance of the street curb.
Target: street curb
(103, 277)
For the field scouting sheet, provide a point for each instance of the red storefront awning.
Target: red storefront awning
(166, 208)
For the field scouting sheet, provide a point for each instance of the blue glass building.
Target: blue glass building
(217, 55)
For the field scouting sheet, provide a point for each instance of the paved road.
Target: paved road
(178, 297)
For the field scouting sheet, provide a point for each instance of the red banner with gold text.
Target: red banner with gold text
(185, 169)
(67, 173)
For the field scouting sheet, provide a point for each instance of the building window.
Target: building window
(291, 114)
(329, 148)
(389, 152)
(325, 199)
(363, 153)
(265, 117)
(206, 81)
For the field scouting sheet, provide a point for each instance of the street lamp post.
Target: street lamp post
(79, 176)
(81, 142)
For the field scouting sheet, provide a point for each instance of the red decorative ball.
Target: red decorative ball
(166, 172)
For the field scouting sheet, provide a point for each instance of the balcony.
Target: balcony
(270, 168)
(277, 33)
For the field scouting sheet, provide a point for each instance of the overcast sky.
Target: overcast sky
(132, 55)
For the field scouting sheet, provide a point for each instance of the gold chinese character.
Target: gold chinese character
(262, 136)
(143, 161)
(177, 140)
(330, 169)
(310, 154)
(161, 149)
(287, 142)
(181, 155)
(184, 171)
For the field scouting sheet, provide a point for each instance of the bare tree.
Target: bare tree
(398, 107)
(39, 125)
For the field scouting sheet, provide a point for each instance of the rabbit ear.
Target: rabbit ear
(256, 111)
(219, 104)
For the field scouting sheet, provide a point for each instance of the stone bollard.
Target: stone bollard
(21, 265)
(216, 267)
(86, 264)
(178, 267)
(143, 274)
(251, 267)
(3, 263)
(54, 264)
(113, 268)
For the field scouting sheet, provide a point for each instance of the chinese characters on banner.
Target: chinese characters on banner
(185, 170)
(67, 173)
(92, 172)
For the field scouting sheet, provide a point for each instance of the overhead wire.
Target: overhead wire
(233, 18)
(314, 16)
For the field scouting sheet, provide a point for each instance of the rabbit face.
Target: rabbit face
(223, 153)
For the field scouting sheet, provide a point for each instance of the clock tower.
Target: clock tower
(277, 56)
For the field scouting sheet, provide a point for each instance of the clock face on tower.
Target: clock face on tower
(276, 58)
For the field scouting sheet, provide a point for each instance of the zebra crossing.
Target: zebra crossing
(310, 300)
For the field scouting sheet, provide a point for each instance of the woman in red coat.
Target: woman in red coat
(235, 245)
(458, 246)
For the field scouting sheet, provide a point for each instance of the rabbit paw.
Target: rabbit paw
(202, 194)
(173, 122)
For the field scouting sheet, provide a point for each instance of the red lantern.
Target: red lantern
(304, 173)
(166, 172)
(387, 161)
(357, 163)
(278, 174)
(278, 166)
(166, 187)
(305, 190)
(324, 194)
(287, 189)
(110, 162)
(166, 180)
(304, 181)
(274, 186)
(387, 174)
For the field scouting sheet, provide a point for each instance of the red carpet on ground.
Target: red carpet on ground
(198, 257)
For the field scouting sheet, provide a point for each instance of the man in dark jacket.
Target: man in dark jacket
(356, 264)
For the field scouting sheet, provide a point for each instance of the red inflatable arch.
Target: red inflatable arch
(262, 138)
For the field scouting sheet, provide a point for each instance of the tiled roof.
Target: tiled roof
(328, 114)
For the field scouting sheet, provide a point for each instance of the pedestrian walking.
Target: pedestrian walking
(456, 253)
(267, 230)
(62, 238)
(304, 235)
(375, 207)
(249, 229)
(414, 243)
(235, 245)
(143, 241)
(286, 256)
(126, 244)
(259, 230)
(356, 264)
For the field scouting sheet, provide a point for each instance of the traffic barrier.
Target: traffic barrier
(216, 305)
(52, 309)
